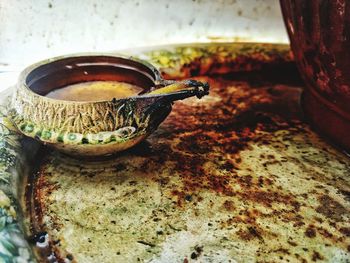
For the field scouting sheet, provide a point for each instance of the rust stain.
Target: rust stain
(229, 205)
(250, 233)
(292, 243)
(345, 231)
(317, 256)
(310, 232)
(325, 233)
(331, 208)
(235, 127)
(282, 251)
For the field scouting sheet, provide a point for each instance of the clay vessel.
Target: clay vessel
(319, 33)
(92, 128)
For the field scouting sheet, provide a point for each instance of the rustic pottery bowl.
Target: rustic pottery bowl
(92, 128)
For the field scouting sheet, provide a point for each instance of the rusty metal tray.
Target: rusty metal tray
(235, 177)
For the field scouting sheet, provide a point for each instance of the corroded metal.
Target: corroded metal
(241, 179)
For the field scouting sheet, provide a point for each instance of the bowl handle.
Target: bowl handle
(180, 89)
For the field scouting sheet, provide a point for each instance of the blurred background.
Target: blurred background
(35, 29)
(32, 30)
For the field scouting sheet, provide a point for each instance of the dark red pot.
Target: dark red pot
(319, 32)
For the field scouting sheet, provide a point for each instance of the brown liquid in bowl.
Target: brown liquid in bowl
(95, 91)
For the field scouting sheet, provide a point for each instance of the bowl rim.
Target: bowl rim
(22, 78)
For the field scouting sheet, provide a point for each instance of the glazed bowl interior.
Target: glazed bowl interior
(57, 74)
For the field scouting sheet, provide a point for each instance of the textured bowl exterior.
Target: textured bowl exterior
(85, 128)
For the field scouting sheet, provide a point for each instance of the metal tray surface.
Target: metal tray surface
(235, 177)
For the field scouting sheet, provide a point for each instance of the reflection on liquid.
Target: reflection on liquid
(95, 91)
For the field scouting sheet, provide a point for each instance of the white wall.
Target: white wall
(31, 30)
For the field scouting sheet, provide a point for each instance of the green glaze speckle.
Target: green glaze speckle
(60, 138)
(13, 246)
(29, 128)
(72, 137)
(46, 135)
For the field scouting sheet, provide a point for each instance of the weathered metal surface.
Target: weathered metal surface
(241, 178)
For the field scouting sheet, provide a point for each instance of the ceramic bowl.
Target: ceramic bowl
(92, 128)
